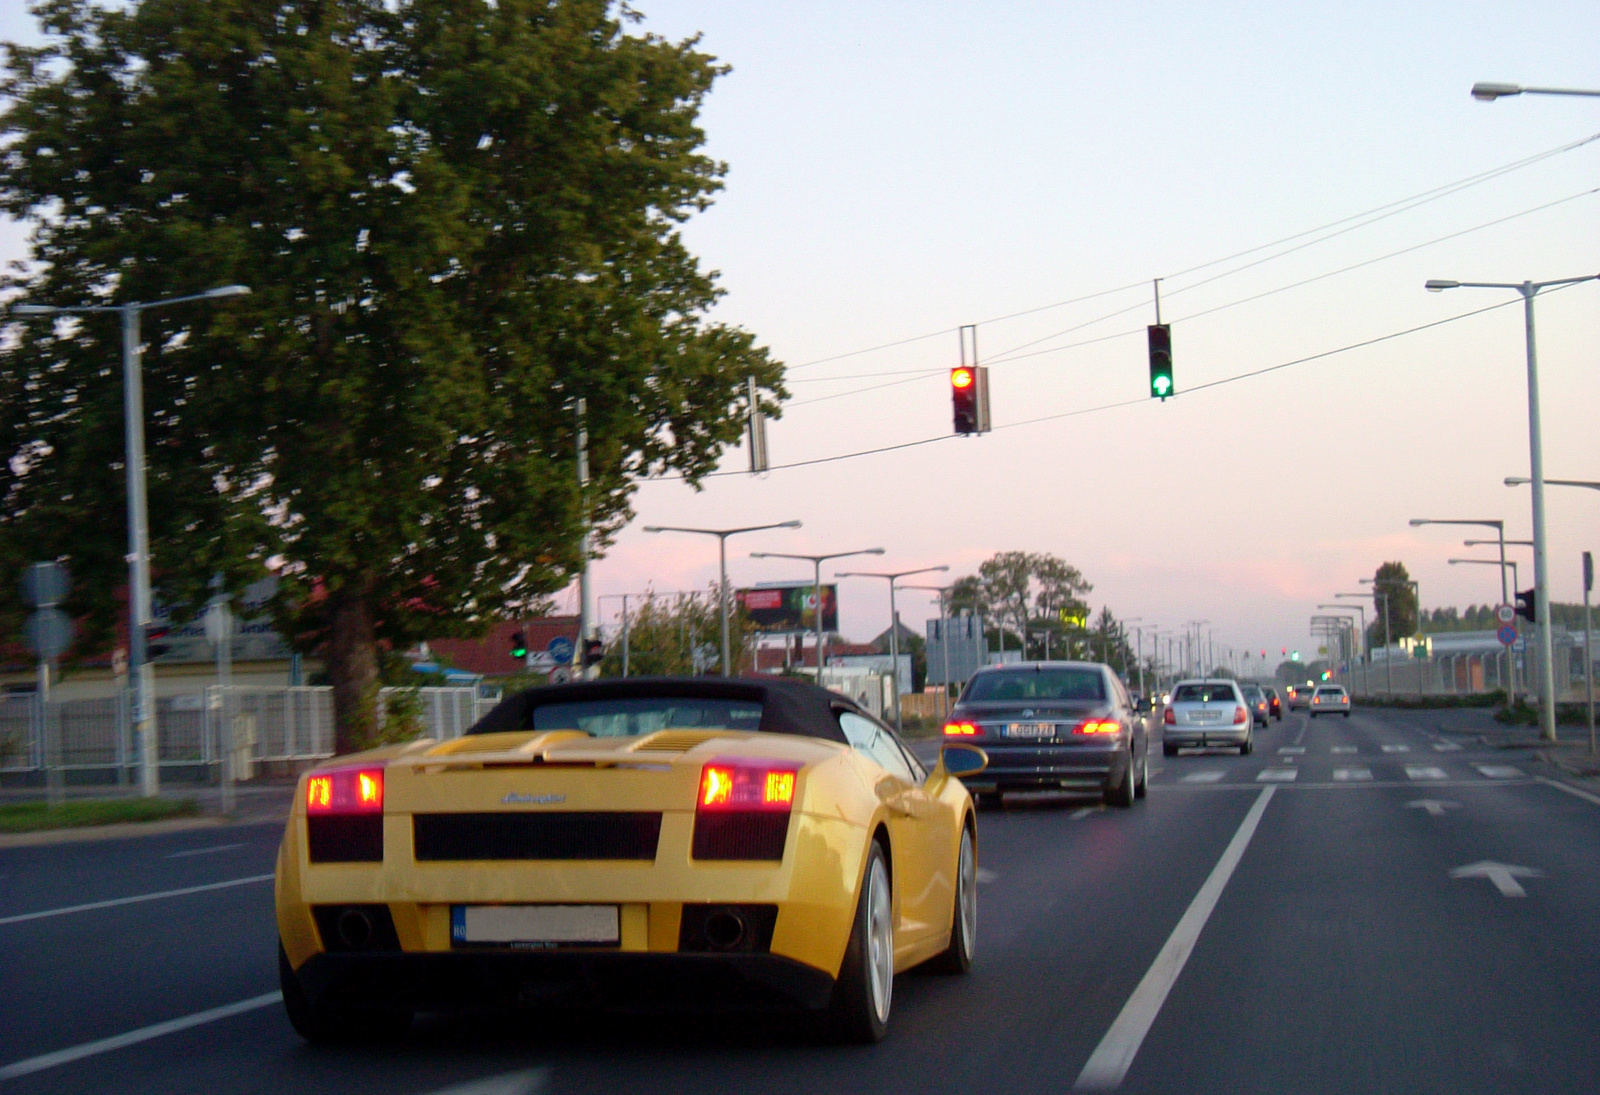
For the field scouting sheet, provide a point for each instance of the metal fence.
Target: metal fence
(263, 725)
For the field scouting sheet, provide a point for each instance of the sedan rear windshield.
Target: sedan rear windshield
(1330, 691)
(634, 717)
(1037, 684)
(1204, 693)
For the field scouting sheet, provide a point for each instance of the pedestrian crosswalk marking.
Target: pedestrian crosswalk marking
(1288, 749)
(1445, 746)
(1342, 749)
(1349, 775)
(1204, 777)
(1499, 771)
(1277, 775)
(1397, 748)
(1424, 771)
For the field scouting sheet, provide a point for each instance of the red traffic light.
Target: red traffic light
(961, 377)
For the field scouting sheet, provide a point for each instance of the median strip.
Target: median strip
(1111, 1059)
(136, 899)
(134, 1037)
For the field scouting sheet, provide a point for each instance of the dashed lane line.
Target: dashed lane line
(134, 1037)
(1348, 775)
(1277, 775)
(1424, 772)
(1204, 777)
(1445, 746)
(1397, 748)
(203, 851)
(135, 899)
(1344, 750)
(1500, 771)
(1571, 790)
(1111, 1059)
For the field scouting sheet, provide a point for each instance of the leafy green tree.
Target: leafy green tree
(459, 218)
(675, 635)
(1392, 581)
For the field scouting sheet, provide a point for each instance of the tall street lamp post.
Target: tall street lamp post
(140, 672)
(816, 561)
(894, 622)
(1541, 578)
(1362, 649)
(1388, 664)
(722, 535)
(1505, 596)
(1488, 93)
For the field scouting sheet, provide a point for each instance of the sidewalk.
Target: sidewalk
(254, 804)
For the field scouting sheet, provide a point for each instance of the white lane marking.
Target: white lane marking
(1080, 814)
(136, 899)
(1569, 789)
(1109, 1062)
(203, 851)
(527, 1082)
(1397, 748)
(985, 875)
(1203, 777)
(1347, 775)
(1445, 747)
(1277, 775)
(1288, 750)
(1435, 807)
(1499, 771)
(1503, 875)
(1424, 771)
(134, 1037)
(1345, 749)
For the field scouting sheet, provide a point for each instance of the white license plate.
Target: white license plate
(1203, 716)
(1030, 730)
(535, 925)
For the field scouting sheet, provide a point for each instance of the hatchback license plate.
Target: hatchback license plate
(534, 925)
(1031, 730)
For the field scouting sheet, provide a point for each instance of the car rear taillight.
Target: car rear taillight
(1098, 726)
(1170, 717)
(962, 730)
(1240, 715)
(344, 815)
(742, 810)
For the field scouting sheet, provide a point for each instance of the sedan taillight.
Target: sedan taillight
(1170, 718)
(1240, 715)
(962, 730)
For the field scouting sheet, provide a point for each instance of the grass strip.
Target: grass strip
(28, 817)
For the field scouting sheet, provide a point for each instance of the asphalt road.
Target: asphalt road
(1290, 921)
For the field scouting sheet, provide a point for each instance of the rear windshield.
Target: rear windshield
(1330, 691)
(1204, 693)
(1253, 694)
(1040, 684)
(629, 718)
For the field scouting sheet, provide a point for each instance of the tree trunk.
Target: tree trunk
(353, 668)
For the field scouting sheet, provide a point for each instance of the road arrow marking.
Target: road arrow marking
(1503, 875)
(1424, 771)
(1435, 807)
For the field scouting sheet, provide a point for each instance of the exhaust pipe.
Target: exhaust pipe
(356, 930)
(725, 930)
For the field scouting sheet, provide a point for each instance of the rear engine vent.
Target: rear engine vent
(666, 741)
(740, 834)
(354, 928)
(563, 835)
(345, 838)
(727, 929)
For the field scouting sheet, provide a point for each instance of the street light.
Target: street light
(894, 622)
(816, 561)
(722, 535)
(140, 672)
(1488, 93)
(1500, 534)
(1541, 577)
(1514, 481)
(1388, 663)
(1360, 651)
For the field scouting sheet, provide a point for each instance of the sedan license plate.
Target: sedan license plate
(534, 926)
(1203, 716)
(1030, 730)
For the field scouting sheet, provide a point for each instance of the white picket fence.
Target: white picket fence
(267, 725)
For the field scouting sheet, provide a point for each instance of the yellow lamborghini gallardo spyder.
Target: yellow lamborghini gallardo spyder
(666, 843)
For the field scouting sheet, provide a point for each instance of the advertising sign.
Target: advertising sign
(788, 606)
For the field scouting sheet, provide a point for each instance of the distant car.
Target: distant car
(1300, 696)
(1206, 713)
(1052, 726)
(1274, 704)
(1330, 699)
(1260, 708)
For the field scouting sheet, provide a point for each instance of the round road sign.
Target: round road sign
(48, 633)
(561, 649)
(1507, 635)
(1505, 614)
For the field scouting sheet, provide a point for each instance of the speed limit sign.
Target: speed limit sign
(1505, 614)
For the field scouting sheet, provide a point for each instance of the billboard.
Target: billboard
(788, 606)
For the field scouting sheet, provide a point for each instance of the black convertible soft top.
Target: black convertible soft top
(787, 706)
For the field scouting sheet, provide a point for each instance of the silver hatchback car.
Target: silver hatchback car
(1206, 713)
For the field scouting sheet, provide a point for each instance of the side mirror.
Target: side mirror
(963, 760)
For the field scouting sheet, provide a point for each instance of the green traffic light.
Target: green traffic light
(1160, 386)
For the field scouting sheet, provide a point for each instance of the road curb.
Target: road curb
(122, 831)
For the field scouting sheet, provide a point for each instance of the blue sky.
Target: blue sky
(898, 169)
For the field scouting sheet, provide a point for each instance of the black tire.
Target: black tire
(1248, 747)
(326, 1023)
(1143, 785)
(1346, 714)
(1121, 794)
(859, 1010)
(958, 956)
